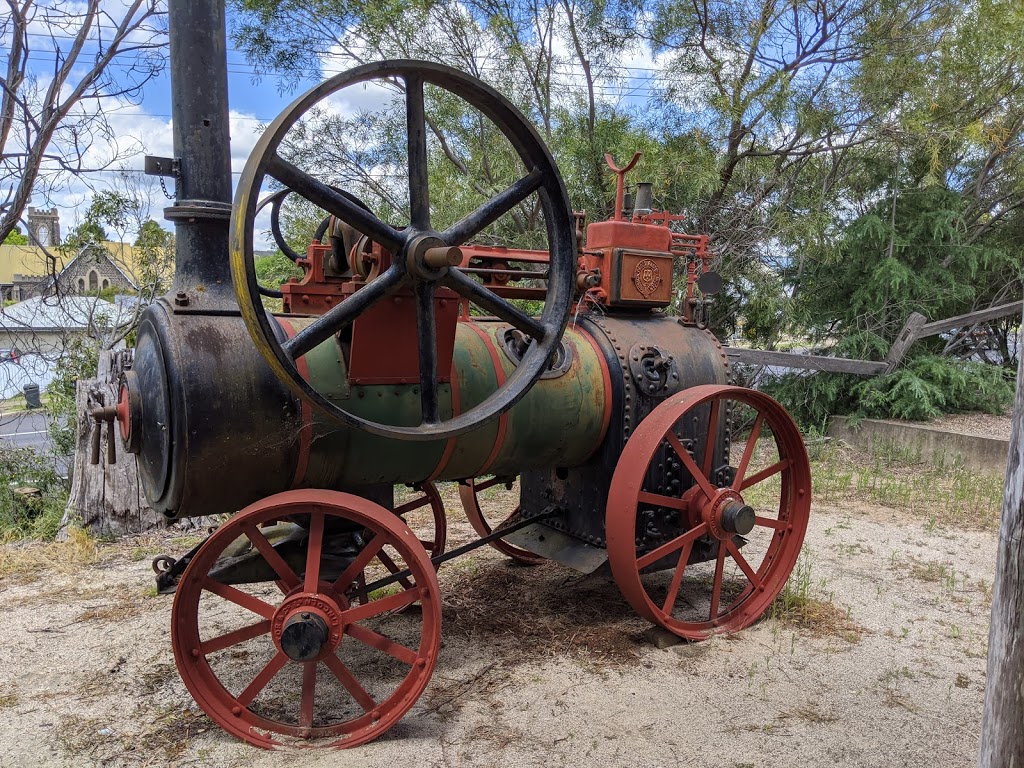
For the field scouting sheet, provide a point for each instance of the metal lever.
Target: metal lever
(99, 415)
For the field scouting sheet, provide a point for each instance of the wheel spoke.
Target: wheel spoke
(768, 522)
(348, 680)
(660, 501)
(228, 639)
(419, 193)
(764, 474)
(748, 451)
(391, 566)
(677, 578)
(493, 209)
(274, 560)
(691, 466)
(332, 321)
(716, 589)
(409, 506)
(245, 698)
(709, 442)
(239, 598)
(313, 550)
(381, 643)
(308, 694)
(334, 202)
(487, 299)
(426, 327)
(357, 566)
(667, 549)
(741, 561)
(383, 605)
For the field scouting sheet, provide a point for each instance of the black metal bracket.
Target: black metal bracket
(161, 166)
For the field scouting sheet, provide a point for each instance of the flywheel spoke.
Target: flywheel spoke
(419, 196)
(426, 341)
(493, 209)
(341, 315)
(334, 202)
(486, 299)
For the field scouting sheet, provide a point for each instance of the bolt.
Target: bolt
(236, 711)
(181, 299)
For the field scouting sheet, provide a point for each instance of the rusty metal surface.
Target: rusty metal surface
(697, 358)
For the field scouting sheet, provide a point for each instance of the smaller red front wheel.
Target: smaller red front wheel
(707, 510)
(270, 641)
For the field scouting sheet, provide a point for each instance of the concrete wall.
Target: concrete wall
(985, 454)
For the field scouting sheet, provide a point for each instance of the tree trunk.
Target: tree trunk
(106, 500)
(1002, 725)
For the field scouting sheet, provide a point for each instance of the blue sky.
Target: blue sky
(252, 102)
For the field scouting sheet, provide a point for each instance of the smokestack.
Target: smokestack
(202, 147)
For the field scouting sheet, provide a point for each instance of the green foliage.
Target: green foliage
(273, 270)
(926, 387)
(32, 515)
(16, 238)
(79, 362)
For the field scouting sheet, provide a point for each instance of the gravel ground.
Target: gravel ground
(87, 677)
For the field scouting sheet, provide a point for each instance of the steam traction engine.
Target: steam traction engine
(403, 357)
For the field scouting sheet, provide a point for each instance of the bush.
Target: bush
(35, 515)
(926, 387)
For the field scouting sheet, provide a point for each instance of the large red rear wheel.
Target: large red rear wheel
(295, 660)
(707, 510)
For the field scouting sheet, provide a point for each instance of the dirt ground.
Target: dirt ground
(540, 666)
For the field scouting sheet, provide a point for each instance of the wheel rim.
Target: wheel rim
(411, 247)
(427, 495)
(245, 652)
(469, 491)
(718, 522)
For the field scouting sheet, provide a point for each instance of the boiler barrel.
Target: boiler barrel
(215, 430)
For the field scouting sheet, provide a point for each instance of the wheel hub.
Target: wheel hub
(726, 513)
(308, 626)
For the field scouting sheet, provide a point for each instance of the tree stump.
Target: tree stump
(105, 499)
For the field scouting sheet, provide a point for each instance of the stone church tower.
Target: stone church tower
(44, 226)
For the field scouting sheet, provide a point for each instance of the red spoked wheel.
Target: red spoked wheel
(469, 493)
(295, 660)
(708, 509)
(422, 495)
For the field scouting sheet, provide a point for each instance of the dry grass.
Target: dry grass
(8, 700)
(817, 617)
(540, 611)
(28, 561)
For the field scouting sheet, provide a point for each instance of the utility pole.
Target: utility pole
(1002, 725)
